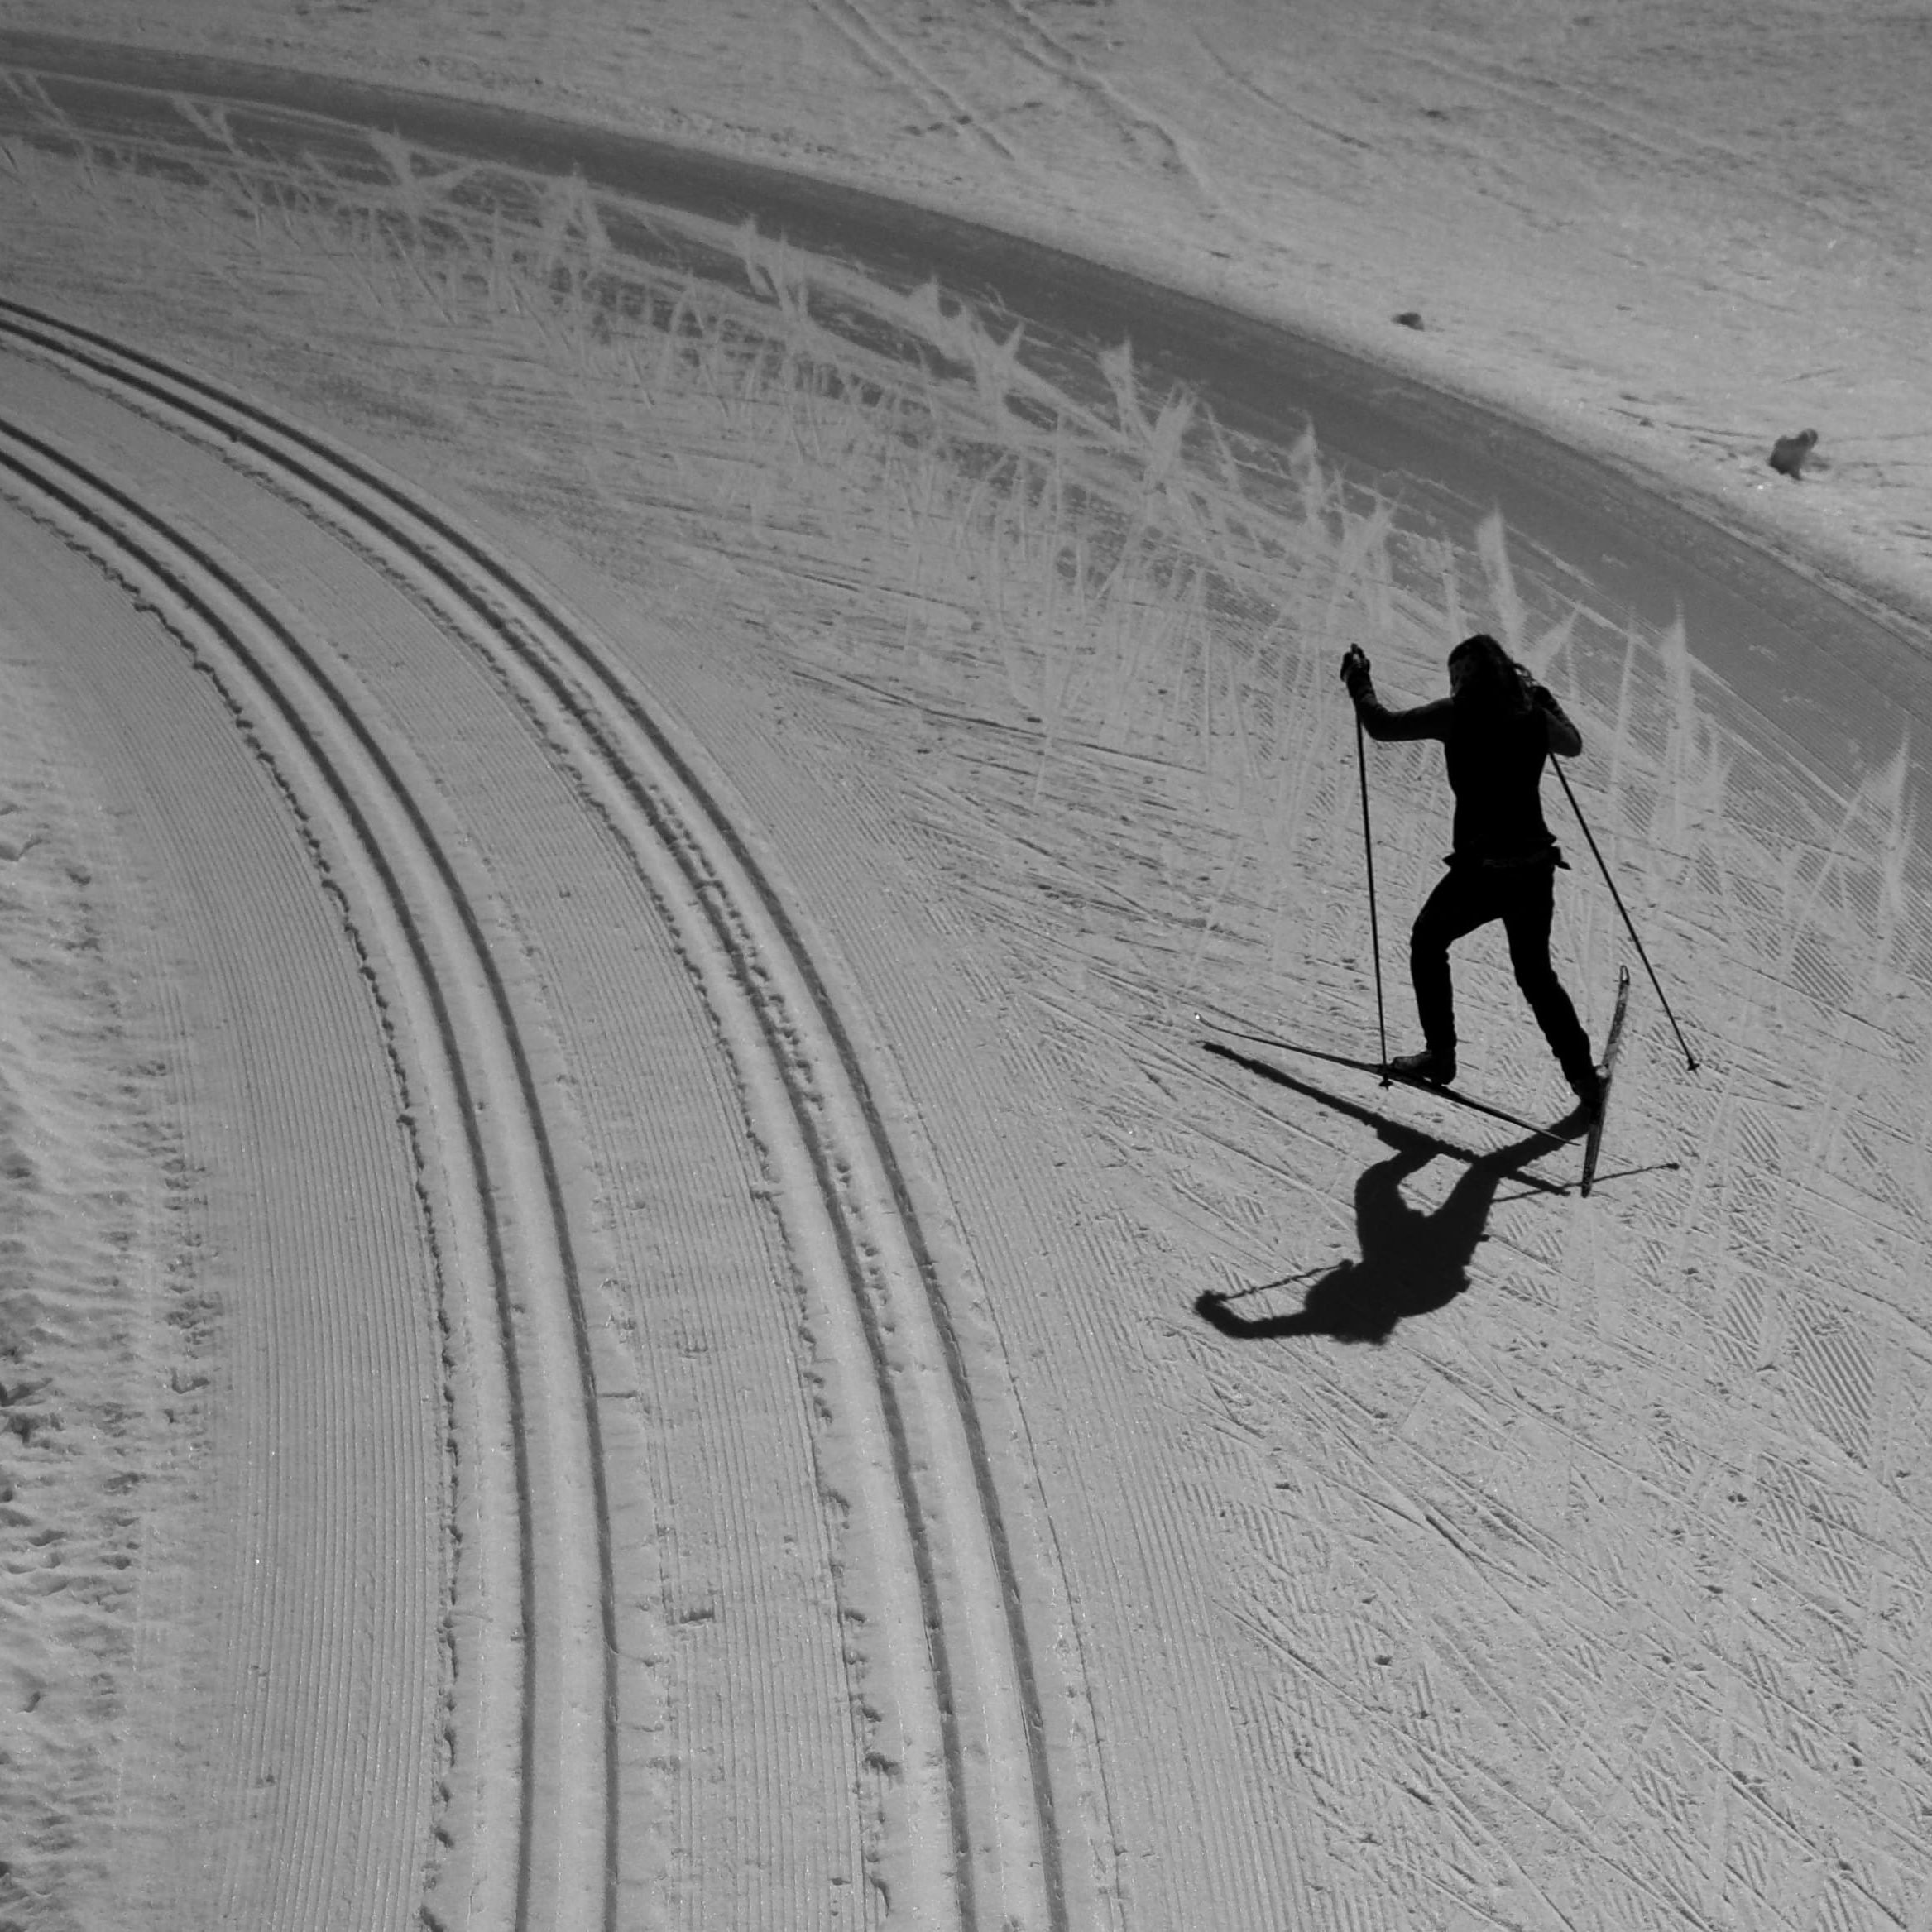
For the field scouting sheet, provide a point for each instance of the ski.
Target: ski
(1386, 1074)
(1593, 1145)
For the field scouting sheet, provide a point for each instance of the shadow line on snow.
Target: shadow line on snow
(1520, 1152)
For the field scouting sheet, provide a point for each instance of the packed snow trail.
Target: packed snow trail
(957, 1655)
(325, 757)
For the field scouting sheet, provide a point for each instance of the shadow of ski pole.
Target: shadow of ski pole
(1631, 1173)
(1381, 1123)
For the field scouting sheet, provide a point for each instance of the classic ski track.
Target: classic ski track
(806, 1085)
(309, 727)
(242, 1651)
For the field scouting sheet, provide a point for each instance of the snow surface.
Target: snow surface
(1673, 231)
(629, 1297)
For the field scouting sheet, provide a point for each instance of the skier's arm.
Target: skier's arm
(1566, 741)
(1424, 721)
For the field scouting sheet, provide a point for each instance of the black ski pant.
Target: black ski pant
(1523, 897)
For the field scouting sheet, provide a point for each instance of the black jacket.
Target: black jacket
(1495, 759)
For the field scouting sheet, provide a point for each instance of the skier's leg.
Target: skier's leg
(1526, 920)
(1457, 906)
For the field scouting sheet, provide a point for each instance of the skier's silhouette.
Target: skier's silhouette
(1498, 728)
(1412, 1262)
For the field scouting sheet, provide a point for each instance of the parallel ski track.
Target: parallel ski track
(129, 535)
(524, 630)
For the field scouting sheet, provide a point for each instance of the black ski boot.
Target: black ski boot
(1588, 1087)
(1431, 1067)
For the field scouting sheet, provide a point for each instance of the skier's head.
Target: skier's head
(1483, 674)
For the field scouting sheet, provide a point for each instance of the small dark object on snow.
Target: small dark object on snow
(1788, 453)
(1411, 318)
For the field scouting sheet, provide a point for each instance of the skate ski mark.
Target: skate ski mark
(1136, 126)
(887, 56)
(978, 1804)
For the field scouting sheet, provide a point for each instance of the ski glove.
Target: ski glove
(1354, 672)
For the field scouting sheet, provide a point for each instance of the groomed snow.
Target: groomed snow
(630, 1298)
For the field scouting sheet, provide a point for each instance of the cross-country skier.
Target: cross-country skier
(1497, 726)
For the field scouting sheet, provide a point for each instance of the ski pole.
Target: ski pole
(1690, 1058)
(1374, 931)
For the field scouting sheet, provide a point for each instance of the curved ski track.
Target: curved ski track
(982, 1845)
(311, 729)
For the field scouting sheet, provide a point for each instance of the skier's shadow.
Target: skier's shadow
(1412, 1261)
